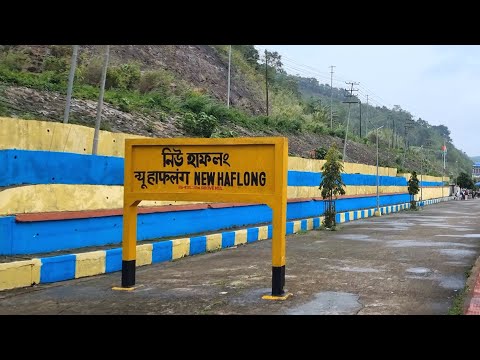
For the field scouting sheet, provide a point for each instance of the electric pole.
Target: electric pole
(408, 124)
(331, 96)
(393, 132)
(229, 65)
(349, 102)
(71, 76)
(100, 100)
(360, 117)
(266, 77)
(366, 121)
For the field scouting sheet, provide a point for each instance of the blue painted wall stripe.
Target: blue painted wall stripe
(228, 239)
(113, 260)
(48, 167)
(252, 234)
(162, 251)
(45, 236)
(21, 167)
(289, 228)
(198, 245)
(316, 223)
(303, 225)
(57, 268)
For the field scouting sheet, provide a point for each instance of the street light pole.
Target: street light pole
(421, 174)
(377, 212)
(229, 65)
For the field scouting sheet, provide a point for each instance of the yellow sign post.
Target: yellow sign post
(250, 170)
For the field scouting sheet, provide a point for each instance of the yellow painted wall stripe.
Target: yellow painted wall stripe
(240, 236)
(214, 242)
(59, 197)
(144, 254)
(90, 263)
(180, 248)
(19, 274)
(262, 232)
(297, 226)
(54, 136)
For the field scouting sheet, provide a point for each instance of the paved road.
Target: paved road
(403, 263)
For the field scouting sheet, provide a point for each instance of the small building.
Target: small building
(476, 169)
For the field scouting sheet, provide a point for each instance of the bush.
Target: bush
(290, 126)
(15, 61)
(201, 125)
(320, 153)
(196, 102)
(156, 80)
(92, 72)
(55, 64)
(224, 134)
(125, 76)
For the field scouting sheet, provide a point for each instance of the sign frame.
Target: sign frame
(276, 200)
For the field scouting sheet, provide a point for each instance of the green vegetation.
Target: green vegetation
(331, 185)
(297, 105)
(465, 181)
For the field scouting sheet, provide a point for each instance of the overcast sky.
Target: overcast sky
(438, 83)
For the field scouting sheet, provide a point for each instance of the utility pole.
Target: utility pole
(393, 133)
(266, 77)
(348, 118)
(360, 117)
(100, 100)
(71, 76)
(229, 65)
(331, 96)
(366, 121)
(408, 125)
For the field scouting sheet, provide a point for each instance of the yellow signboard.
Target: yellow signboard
(213, 169)
(251, 170)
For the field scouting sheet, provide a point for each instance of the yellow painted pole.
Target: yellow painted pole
(279, 219)
(129, 243)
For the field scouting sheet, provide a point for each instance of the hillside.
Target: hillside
(176, 91)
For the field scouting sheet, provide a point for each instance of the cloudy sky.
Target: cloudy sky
(439, 83)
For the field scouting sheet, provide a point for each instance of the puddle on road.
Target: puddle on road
(329, 303)
(416, 243)
(359, 237)
(419, 271)
(354, 269)
(463, 235)
(398, 228)
(452, 282)
(458, 253)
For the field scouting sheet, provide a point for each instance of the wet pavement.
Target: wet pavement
(411, 262)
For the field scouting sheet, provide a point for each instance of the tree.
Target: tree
(465, 181)
(331, 184)
(413, 189)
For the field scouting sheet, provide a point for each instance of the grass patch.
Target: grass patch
(458, 306)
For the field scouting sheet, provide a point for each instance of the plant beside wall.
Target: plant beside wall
(413, 189)
(331, 185)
